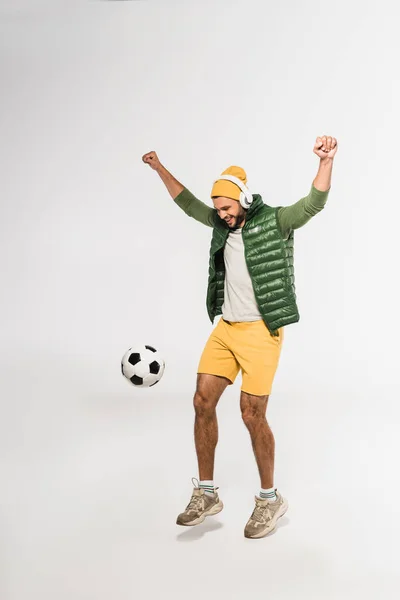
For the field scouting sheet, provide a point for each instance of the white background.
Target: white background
(96, 257)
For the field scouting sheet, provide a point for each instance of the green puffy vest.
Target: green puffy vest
(269, 259)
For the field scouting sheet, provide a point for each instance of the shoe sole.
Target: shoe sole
(214, 510)
(279, 514)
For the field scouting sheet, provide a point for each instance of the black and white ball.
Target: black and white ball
(143, 366)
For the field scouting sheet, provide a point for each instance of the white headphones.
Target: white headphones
(246, 198)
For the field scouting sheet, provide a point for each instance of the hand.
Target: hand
(151, 159)
(325, 146)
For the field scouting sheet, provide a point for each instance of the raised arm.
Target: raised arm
(298, 214)
(180, 194)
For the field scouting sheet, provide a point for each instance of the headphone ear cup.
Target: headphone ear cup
(244, 202)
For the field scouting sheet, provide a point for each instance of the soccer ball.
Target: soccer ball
(142, 366)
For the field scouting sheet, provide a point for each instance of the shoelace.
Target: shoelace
(262, 513)
(196, 503)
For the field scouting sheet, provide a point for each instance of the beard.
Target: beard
(238, 221)
(234, 224)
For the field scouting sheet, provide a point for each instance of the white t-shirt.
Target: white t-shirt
(239, 300)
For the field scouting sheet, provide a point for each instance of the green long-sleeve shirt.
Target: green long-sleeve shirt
(289, 217)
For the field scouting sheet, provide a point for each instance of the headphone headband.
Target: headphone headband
(246, 198)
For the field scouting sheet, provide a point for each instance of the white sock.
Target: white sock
(207, 486)
(268, 494)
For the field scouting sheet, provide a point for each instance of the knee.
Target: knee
(251, 417)
(253, 409)
(203, 405)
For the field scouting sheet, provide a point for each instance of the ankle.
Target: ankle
(268, 494)
(208, 486)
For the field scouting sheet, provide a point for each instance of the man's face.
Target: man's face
(230, 211)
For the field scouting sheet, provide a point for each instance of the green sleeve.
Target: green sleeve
(298, 214)
(195, 208)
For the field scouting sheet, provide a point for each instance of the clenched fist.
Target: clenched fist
(151, 159)
(325, 146)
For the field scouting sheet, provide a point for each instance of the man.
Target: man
(251, 284)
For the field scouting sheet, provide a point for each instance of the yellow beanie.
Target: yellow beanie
(227, 188)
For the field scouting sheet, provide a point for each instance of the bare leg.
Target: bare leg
(208, 392)
(253, 413)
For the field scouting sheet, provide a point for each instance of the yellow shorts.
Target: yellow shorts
(248, 347)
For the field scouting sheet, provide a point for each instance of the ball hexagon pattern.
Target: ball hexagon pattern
(143, 366)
